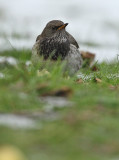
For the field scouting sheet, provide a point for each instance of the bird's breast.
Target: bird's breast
(54, 47)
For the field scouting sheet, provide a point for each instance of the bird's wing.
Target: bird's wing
(74, 60)
(72, 40)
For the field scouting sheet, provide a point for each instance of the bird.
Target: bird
(55, 42)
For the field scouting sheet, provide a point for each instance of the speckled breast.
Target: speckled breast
(54, 47)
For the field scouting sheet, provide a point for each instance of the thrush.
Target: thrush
(54, 43)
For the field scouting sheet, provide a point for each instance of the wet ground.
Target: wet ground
(95, 24)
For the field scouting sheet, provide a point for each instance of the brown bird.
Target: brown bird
(54, 43)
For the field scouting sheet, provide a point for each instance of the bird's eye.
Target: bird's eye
(54, 28)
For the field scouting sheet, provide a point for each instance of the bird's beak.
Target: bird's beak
(63, 26)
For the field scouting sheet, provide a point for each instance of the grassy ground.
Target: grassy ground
(88, 129)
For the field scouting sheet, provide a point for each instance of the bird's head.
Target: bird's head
(53, 27)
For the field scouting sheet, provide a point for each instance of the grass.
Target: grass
(88, 130)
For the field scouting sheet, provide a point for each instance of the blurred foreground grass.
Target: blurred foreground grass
(88, 129)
